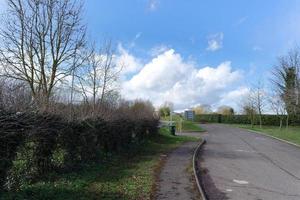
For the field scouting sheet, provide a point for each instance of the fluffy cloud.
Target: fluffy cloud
(129, 63)
(233, 97)
(215, 42)
(168, 77)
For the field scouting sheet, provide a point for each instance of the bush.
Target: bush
(34, 145)
(205, 118)
(272, 120)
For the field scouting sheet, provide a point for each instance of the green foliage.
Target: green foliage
(125, 176)
(164, 111)
(191, 126)
(32, 146)
(225, 110)
(185, 124)
(286, 80)
(59, 157)
(244, 119)
(211, 118)
(22, 169)
(291, 134)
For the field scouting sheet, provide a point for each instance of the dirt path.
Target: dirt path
(175, 180)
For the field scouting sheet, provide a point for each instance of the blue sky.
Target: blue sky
(255, 31)
(248, 35)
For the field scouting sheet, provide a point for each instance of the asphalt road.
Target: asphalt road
(241, 165)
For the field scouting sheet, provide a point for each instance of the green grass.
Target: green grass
(291, 134)
(123, 177)
(174, 118)
(191, 126)
(186, 125)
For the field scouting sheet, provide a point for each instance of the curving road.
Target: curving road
(240, 165)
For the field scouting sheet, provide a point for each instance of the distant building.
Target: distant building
(189, 115)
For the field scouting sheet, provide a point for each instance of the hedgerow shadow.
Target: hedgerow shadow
(125, 176)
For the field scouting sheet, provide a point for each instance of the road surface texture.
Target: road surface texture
(241, 165)
(175, 182)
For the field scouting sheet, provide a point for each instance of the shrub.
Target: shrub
(33, 145)
(244, 119)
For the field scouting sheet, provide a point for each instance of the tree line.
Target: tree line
(44, 48)
(282, 98)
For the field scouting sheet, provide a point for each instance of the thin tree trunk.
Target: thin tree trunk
(280, 125)
(260, 121)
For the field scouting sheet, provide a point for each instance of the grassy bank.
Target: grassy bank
(291, 134)
(191, 126)
(123, 177)
(186, 125)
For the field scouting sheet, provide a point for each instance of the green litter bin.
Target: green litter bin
(172, 129)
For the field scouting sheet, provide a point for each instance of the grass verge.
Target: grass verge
(123, 177)
(186, 125)
(292, 134)
(191, 126)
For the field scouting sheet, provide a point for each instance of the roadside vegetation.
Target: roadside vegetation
(184, 125)
(276, 103)
(127, 176)
(191, 126)
(272, 108)
(291, 134)
(65, 131)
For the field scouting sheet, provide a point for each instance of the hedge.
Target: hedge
(34, 145)
(244, 119)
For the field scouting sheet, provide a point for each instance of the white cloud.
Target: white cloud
(168, 77)
(234, 97)
(215, 42)
(129, 63)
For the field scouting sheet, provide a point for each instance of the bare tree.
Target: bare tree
(203, 109)
(278, 106)
(289, 101)
(40, 39)
(142, 109)
(225, 110)
(100, 76)
(249, 108)
(258, 96)
(14, 96)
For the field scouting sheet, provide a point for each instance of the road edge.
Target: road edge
(196, 171)
(276, 138)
